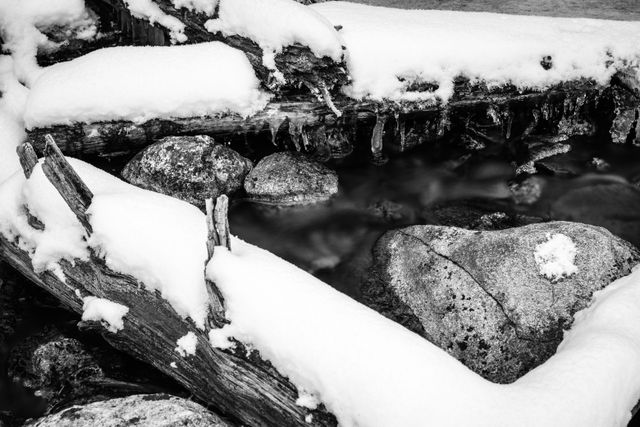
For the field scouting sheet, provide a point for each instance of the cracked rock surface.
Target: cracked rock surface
(139, 410)
(480, 295)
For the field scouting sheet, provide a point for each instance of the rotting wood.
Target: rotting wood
(65, 179)
(216, 317)
(239, 384)
(124, 138)
(28, 158)
(221, 220)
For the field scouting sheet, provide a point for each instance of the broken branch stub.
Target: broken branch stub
(72, 189)
(28, 158)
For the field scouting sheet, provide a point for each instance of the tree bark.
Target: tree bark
(308, 123)
(238, 384)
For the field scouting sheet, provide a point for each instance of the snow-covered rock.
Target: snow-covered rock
(139, 410)
(191, 168)
(496, 300)
(288, 178)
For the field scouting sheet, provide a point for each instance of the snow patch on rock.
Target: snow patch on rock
(556, 257)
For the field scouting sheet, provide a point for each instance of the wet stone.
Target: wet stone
(289, 179)
(191, 168)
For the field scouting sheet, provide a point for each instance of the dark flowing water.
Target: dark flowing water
(593, 183)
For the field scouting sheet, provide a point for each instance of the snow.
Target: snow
(369, 371)
(20, 23)
(140, 83)
(147, 9)
(155, 238)
(366, 369)
(556, 257)
(385, 45)
(187, 344)
(275, 24)
(205, 6)
(12, 99)
(103, 310)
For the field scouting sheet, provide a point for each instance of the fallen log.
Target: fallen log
(305, 123)
(298, 64)
(238, 383)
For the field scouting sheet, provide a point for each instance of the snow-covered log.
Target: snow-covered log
(310, 124)
(293, 64)
(238, 383)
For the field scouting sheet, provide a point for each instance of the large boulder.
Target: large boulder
(152, 410)
(191, 168)
(289, 178)
(496, 300)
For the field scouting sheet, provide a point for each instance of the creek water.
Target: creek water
(596, 182)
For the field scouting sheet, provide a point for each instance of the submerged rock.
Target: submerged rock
(496, 300)
(626, 123)
(191, 168)
(613, 205)
(289, 179)
(152, 410)
(65, 371)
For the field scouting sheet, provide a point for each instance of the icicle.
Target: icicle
(296, 131)
(327, 99)
(378, 158)
(275, 123)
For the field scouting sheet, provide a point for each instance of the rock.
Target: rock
(613, 205)
(482, 296)
(191, 168)
(65, 371)
(474, 214)
(152, 410)
(538, 151)
(289, 179)
(626, 124)
(528, 191)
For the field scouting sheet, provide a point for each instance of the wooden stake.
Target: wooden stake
(221, 219)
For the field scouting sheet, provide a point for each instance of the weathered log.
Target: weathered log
(237, 383)
(297, 63)
(408, 124)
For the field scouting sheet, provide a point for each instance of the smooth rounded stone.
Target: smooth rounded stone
(152, 410)
(528, 191)
(191, 168)
(613, 205)
(289, 179)
(481, 295)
